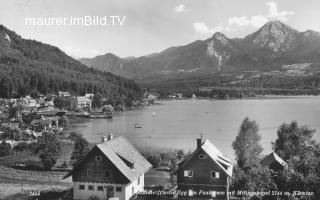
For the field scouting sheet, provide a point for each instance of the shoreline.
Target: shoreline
(249, 98)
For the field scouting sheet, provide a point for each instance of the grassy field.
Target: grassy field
(16, 184)
(156, 177)
(13, 181)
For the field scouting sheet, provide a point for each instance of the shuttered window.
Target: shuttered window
(215, 174)
(188, 173)
(118, 189)
(202, 156)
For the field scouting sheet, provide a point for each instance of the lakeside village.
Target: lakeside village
(40, 159)
(25, 119)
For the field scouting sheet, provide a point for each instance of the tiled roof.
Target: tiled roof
(120, 147)
(272, 157)
(214, 153)
(125, 157)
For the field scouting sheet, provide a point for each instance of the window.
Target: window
(139, 181)
(100, 188)
(118, 189)
(188, 173)
(98, 158)
(81, 187)
(90, 187)
(202, 156)
(215, 174)
(107, 173)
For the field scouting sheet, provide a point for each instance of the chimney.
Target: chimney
(110, 137)
(103, 139)
(199, 141)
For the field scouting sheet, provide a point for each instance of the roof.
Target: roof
(214, 153)
(123, 155)
(83, 99)
(271, 158)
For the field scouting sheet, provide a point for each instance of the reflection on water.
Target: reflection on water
(176, 124)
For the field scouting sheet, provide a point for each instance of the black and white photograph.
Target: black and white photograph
(159, 100)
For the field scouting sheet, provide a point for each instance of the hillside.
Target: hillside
(269, 48)
(30, 66)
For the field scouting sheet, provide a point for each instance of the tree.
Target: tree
(302, 154)
(292, 140)
(180, 155)
(63, 120)
(80, 147)
(246, 145)
(16, 133)
(48, 149)
(253, 179)
(4, 149)
(20, 147)
(97, 101)
(12, 111)
(154, 160)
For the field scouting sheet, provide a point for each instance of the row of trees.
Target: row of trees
(294, 144)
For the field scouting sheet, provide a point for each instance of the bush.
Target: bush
(5, 149)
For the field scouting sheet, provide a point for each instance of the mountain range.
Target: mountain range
(269, 48)
(29, 66)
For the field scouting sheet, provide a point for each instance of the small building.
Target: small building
(274, 162)
(205, 173)
(84, 102)
(63, 94)
(89, 95)
(112, 169)
(44, 124)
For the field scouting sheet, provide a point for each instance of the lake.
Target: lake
(177, 124)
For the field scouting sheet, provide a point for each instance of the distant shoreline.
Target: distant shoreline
(249, 98)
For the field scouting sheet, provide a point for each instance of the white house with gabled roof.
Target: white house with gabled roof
(112, 169)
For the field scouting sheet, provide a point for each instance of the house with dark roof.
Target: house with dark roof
(205, 172)
(274, 162)
(112, 169)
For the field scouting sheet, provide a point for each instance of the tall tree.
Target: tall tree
(48, 149)
(246, 145)
(302, 153)
(80, 148)
(293, 140)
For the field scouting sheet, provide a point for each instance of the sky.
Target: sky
(142, 27)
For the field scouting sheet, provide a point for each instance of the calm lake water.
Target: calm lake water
(177, 124)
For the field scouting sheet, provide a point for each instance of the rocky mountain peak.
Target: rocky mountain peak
(274, 35)
(220, 37)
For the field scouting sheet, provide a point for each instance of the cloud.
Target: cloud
(181, 8)
(259, 20)
(255, 21)
(201, 27)
(243, 21)
(273, 12)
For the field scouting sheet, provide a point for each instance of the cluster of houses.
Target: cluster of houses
(114, 169)
(41, 113)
